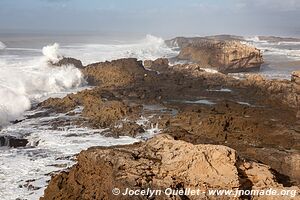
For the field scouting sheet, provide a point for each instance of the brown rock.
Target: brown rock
(69, 61)
(101, 108)
(117, 73)
(159, 163)
(158, 63)
(226, 56)
(275, 90)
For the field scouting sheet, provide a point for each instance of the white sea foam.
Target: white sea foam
(51, 52)
(24, 172)
(27, 79)
(2, 45)
(276, 53)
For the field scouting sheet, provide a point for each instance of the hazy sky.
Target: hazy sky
(160, 17)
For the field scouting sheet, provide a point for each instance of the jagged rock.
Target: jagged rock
(160, 62)
(226, 56)
(117, 73)
(182, 42)
(10, 141)
(282, 91)
(296, 77)
(159, 163)
(69, 61)
(102, 109)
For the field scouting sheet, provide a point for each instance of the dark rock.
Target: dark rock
(10, 141)
(69, 61)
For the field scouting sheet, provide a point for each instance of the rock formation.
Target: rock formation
(116, 73)
(159, 163)
(223, 55)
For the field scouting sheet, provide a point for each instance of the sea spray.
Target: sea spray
(51, 53)
(147, 48)
(31, 79)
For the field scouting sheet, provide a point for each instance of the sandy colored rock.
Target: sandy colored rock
(117, 73)
(159, 163)
(226, 56)
(283, 91)
(101, 108)
(158, 63)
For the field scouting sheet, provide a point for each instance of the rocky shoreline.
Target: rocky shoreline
(216, 131)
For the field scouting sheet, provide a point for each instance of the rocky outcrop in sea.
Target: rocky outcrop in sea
(224, 55)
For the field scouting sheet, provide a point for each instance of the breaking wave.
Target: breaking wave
(28, 80)
(51, 52)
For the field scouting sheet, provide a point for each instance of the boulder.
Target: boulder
(225, 56)
(159, 163)
(117, 73)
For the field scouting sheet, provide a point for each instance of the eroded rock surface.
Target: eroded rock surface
(159, 163)
(225, 55)
(116, 73)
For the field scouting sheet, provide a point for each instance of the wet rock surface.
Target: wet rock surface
(258, 118)
(9, 141)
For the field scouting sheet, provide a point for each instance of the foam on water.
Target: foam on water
(279, 57)
(26, 79)
(24, 172)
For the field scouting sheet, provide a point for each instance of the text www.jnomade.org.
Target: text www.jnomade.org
(198, 192)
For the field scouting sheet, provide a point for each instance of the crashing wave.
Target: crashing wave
(30, 80)
(51, 52)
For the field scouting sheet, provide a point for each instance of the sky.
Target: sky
(159, 17)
